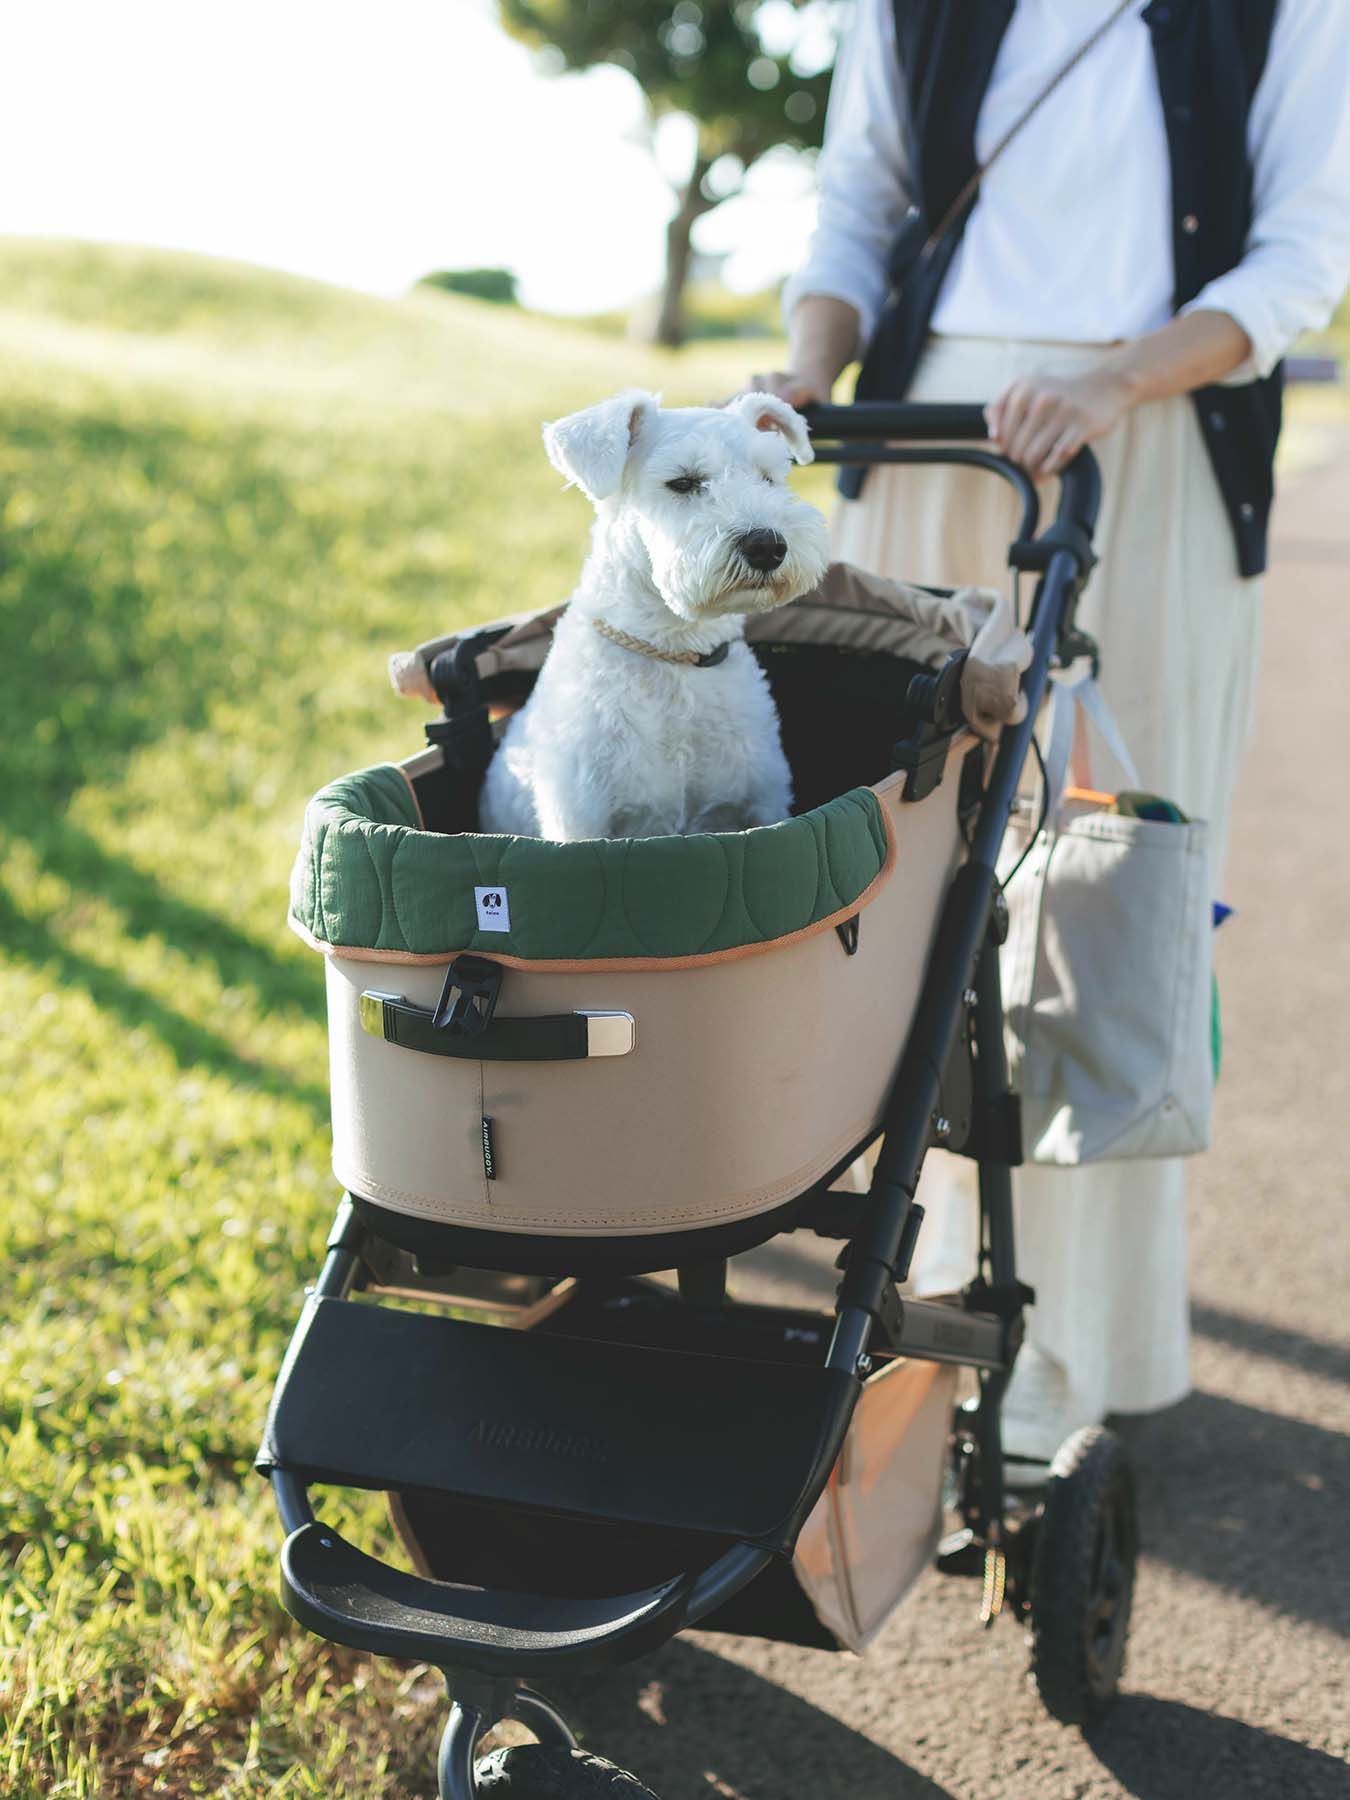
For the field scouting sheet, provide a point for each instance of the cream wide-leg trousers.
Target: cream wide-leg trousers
(1104, 1246)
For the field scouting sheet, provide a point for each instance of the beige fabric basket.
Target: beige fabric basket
(749, 1077)
(743, 1079)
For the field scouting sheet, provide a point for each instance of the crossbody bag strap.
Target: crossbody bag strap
(968, 191)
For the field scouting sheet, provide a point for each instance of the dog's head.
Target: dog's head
(703, 492)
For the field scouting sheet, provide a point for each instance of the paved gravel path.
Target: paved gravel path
(1239, 1667)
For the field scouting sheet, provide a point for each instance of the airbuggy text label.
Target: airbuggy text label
(494, 910)
(572, 1446)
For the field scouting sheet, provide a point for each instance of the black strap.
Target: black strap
(547, 1037)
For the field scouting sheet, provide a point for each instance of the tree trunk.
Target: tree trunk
(669, 328)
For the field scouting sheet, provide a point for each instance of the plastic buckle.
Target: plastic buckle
(469, 997)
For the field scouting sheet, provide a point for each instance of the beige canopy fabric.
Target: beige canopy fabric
(849, 608)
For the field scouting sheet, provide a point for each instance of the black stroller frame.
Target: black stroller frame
(351, 1402)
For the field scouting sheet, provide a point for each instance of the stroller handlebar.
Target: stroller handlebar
(873, 424)
(909, 421)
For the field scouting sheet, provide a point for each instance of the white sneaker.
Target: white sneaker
(1039, 1412)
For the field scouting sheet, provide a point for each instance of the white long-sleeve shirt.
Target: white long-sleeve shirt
(1071, 237)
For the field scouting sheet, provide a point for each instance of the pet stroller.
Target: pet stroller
(559, 1070)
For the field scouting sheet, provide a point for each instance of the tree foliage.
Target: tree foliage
(480, 284)
(707, 58)
(713, 60)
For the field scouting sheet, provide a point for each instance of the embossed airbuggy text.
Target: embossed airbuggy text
(572, 1446)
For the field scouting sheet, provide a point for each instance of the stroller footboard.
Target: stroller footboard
(730, 1452)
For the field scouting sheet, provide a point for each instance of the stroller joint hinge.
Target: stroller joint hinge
(866, 1282)
(1034, 553)
(347, 1233)
(1005, 1300)
(995, 1130)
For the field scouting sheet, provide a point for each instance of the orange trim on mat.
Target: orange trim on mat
(581, 965)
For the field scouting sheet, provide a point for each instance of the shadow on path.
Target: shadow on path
(1315, 1356)
(1250, 1501)
(1161, 1750)
(696, 1726)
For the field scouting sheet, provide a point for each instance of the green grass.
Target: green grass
(224, 497)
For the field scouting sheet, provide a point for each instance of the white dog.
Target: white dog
(651, 716)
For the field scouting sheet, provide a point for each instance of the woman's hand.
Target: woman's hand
(1043, 421)
(798, 390)
(822, 341)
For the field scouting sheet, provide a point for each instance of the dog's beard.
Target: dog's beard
(746, 589)
(707, 577)
(728, 584)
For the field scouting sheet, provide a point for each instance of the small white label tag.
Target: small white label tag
(494, 910)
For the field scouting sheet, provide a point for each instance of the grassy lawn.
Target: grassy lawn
(224, 497)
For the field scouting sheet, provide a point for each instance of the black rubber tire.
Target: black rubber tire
(553, 1772)
(1082, 1576)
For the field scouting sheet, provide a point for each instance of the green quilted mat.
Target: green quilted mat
(367, 878)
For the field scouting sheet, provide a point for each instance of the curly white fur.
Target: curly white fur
(613, 743)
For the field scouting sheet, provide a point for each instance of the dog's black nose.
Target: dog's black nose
(763, 550)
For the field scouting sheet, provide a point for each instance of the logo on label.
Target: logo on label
(494, 910)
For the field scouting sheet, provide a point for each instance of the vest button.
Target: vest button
(1182, 114)
(1218, 422)
(1247, 510)
(1190, 224)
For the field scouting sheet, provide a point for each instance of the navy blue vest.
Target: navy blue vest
(1209, 56)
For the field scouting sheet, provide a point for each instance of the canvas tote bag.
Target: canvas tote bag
(1107, 970)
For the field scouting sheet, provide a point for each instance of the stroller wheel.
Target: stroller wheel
(1082, 1576)
(554, 1772)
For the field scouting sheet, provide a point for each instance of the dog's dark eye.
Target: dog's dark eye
(685, 484)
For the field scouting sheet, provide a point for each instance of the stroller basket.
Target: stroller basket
(641, 1039)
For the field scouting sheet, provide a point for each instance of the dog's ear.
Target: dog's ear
(766, 412)
(591, 447)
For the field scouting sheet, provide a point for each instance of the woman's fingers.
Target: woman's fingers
(797, 390)
(1035, 423)
(1041, 425)
(1051, 429)
(1044, 421)
(1013, 409)
(1066, 448)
